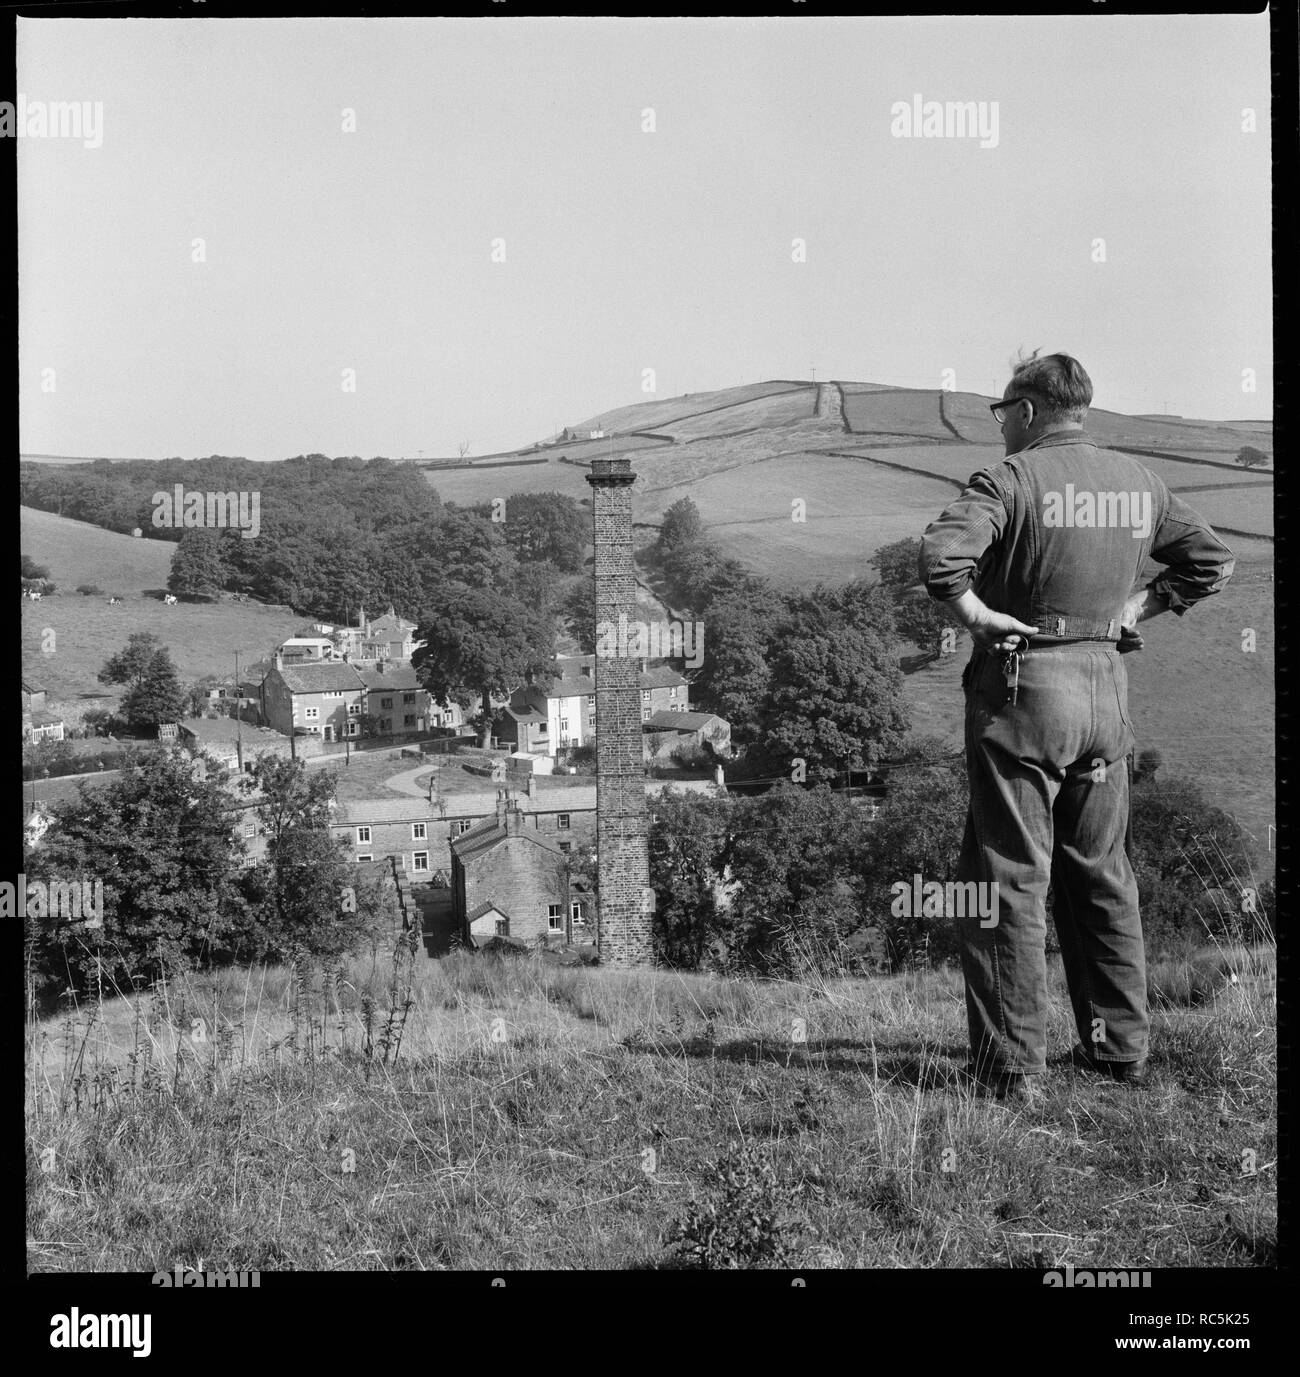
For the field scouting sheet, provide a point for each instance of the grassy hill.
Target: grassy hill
(66, 637)
(546, 1117)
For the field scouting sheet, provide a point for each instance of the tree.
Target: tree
(681, 525)
(157, 696)
(198, 567)
(577, 610)
(790, 854)
(153, 687)
(547, 526)
(1251, 458)
(697, 574)
(918, 617)
(306, 888)
(132, 662)
(735, 677)
(918, 832)
(687, 836)
(1191, 861)
(32, 570)
(162, 845)
(479, 643)
(836, 697)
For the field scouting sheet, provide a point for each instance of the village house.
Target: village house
(407, 830)
(509, 881)
(39, 723)
(419, 832)
(299, 648)
(389, 637)
(666, 732)
(323, 700)
(395, 703)
(559, 711)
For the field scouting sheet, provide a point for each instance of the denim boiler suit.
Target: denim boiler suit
(1057, 536)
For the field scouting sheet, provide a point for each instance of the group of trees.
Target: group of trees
(154, 692)
(809, 679)
(177, 895)
(801, 878)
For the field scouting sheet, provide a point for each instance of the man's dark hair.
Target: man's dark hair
(1057, 383)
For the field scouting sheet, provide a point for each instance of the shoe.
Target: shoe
(1134, 1073)
(1012, 1087)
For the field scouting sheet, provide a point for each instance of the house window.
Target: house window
(503, 927)
(409, 719)
(575, 912)
(386, 702)
(385, 724)
(562, 821)
(672, 693)
(366, 857)
(353, 729)
(408, 698)
(645, 695)
(566, 847)
(591, 700)
(645, 714)
(312, 714)
(333, 693)
(420, 860)
(461, 827)
(554, 918)
(363, 835)
(354, 709)
(250, 829)
(418, 831)
(564, 724)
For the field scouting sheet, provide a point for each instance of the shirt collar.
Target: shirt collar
(1060, 437)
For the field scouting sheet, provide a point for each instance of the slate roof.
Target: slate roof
(531, 715)
(571, 799)
(489, 834)
(326, 677)
(487, 906)
(370, 812)
(660, 676)
(679, 721)
(399, 675)
(575, 675)
(390, 621)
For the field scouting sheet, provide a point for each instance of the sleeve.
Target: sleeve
(954, 542)
(1199, 562)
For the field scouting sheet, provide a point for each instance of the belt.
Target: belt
(1054, 628)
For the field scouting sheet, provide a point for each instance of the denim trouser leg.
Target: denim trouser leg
(1049, 800)
(1096, 911)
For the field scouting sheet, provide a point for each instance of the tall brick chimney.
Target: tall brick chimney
(622, 850)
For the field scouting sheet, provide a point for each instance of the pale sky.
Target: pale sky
(625, 250)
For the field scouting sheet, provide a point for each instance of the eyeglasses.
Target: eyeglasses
(998, 408)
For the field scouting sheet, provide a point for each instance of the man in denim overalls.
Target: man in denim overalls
(1038, 558)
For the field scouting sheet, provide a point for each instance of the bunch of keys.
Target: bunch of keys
(1012, 671)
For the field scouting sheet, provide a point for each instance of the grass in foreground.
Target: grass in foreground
(541, 1116)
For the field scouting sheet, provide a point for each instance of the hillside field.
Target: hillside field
(66, 638)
